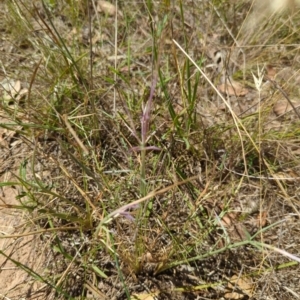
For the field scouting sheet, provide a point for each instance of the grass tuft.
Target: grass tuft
(161, 152)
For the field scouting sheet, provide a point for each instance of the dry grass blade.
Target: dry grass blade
(84, 149)
(237, 123)
(125, 207)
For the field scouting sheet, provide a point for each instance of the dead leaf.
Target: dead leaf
(148, 257)
(17, 87)
(233, 88)
(8, 86)
(226, 222)
(107, 8)
(12, 89)
(239, 287)
(261, 220)
(282, 106)
(22, 94)
(271, 72)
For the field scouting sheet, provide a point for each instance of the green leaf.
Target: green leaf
(99, 272)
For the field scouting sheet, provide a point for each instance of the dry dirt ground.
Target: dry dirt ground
(15, 283)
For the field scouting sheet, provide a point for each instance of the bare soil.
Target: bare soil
(16, 283)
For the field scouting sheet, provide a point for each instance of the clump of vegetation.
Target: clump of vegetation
(161, 139)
